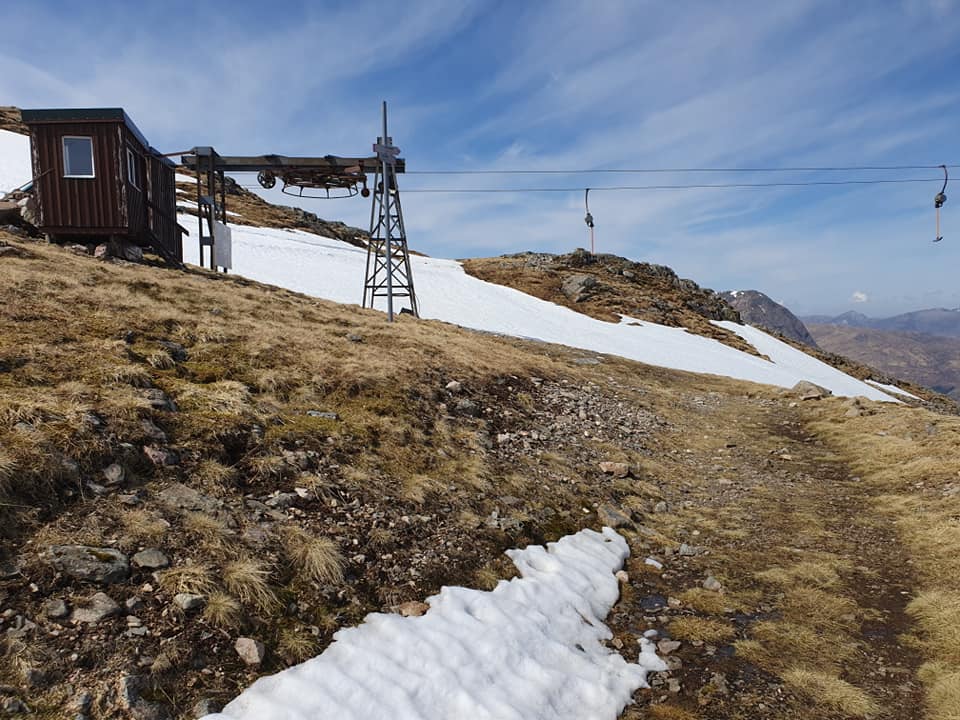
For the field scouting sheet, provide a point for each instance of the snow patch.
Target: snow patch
(531, 649)
(16, 168)
(334, 270)
(180, 177)
(892, 389)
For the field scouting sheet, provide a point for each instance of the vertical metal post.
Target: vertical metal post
(200, 209)
(387, 178)
(212, 193)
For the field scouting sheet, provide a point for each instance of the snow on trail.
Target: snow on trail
(334, 270)
(531, 649)
(15, 167)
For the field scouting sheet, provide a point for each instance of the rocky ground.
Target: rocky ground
(193, 496)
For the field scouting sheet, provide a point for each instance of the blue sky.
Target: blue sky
(558, 85)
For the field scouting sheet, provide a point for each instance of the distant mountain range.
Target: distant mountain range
(935, 321)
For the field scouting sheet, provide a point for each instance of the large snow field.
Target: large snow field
(333, 270)
(15, 167)
(530, 649)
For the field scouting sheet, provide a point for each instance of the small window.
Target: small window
(132, 167)
(78, 157)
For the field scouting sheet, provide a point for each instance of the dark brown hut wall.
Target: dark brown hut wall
(73, 205)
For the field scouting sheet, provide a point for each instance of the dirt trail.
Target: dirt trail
(813, 582)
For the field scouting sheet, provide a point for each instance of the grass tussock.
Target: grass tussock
(831, 692)
(195, 578)
(314, 558)
(248, 580)
(296, 645)
(705, 629)
(222, 611)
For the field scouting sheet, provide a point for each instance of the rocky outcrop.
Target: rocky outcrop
(758, 309)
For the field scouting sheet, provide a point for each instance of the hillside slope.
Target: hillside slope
(929, 360)
(933, 321)
(240, 461)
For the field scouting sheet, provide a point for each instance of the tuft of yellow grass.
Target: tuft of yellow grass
(705, 629)
(315, 558)
(247, 579)
(222, 611)
(296, 645)
(194, 578)
(831, 692)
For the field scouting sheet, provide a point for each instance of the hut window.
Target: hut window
(78, 157)
(132, 168)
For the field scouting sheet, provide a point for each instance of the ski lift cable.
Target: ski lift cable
(690, 186)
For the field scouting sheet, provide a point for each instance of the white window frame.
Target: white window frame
(93, 165)
(132, 168)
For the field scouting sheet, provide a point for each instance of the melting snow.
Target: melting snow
(892, 389)
(531, 649)
(334, 270)
(15, 166)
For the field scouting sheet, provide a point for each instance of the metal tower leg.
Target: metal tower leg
(388, 273)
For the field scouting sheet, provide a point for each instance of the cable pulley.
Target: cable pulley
(940, 199)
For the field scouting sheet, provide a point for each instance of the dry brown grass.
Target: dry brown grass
(248, 580)
(197, 579)
(315, 558)
(910, 459)
(831, 692)
(222, 611)
(697, 628)
(296, 645)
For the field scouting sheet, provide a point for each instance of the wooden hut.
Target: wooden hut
(97, 178)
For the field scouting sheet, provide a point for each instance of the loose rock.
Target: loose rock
(99, 565)
(151, 559)
(617, 469)
(99, 607)
(413, 608)
(251, 651)
(188, 601)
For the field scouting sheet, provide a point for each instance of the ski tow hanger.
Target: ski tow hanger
(940, 199)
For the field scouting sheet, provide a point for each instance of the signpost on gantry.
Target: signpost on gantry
(388, 274)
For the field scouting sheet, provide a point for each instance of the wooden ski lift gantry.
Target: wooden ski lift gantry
(388, 273)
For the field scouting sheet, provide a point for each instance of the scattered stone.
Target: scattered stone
(613, 516)
(323, 415)
(673, 685)
(13, 706)
(355, 338)
(206, 706)
(9, 569)
(617, 469)
(114, 474)
(161, 457)
(151, 559)
(579, 287)
(99, 565)
(282, 501)
(622, 576)
(690, 550)
(55, 609)
(101, 251)
(653, 563)
(179, 496)
(468, 407)
(159, 401)
(251, 651)
(151, 431)
(711, 583)
(806, 390)
(454, 386)
(413, 608)
(668, 646)
(175, 350)
(189, 601)
(661, 507)
(97, 608)
(133, 604)
(653, 603)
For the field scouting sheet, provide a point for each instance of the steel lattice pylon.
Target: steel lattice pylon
(388, 273)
